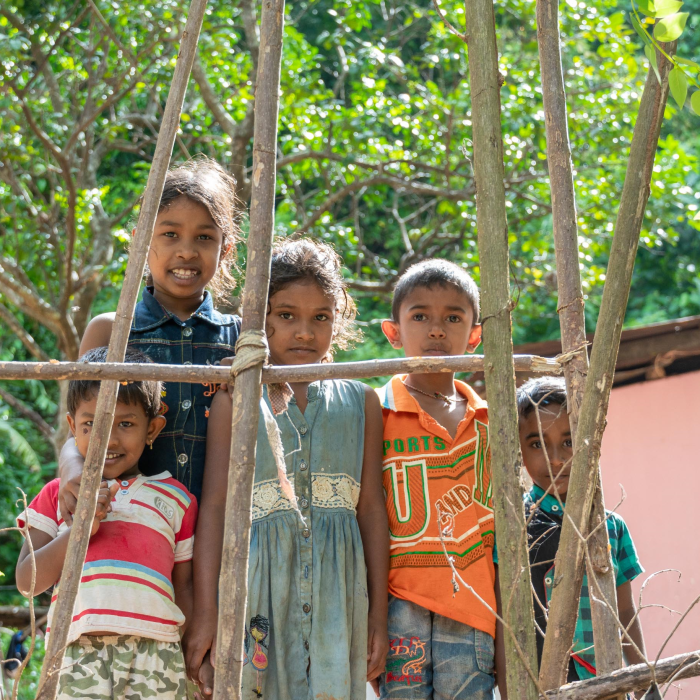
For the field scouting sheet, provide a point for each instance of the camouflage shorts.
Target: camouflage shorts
(123, 668)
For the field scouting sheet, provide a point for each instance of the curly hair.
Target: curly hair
(303, 260)
(204, 181)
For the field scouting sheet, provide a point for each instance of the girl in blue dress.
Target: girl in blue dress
(189, 264)
(317, 584)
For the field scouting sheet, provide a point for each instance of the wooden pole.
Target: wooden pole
(195, 374)
(107, 397)
(606, 635)
(514, 572)
(233, 585)
(583, 482)
(631, 679)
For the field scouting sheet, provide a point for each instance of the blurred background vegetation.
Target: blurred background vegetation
(374, 157)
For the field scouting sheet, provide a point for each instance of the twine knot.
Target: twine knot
(251, 350)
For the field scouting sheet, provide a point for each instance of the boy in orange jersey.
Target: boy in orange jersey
(437, 479)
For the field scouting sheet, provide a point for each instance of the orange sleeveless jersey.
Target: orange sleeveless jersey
(428, 476)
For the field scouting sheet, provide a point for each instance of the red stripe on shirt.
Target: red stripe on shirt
(155, 510)
(122, 613)
(167, 494)
(122, 577)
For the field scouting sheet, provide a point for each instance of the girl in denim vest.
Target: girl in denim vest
(317, 578)
(190, 259)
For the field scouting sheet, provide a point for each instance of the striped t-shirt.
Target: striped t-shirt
(126, 587)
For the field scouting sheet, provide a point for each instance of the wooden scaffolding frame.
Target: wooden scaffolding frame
(588, 386)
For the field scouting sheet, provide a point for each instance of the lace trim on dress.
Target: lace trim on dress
(268, 498)
(334, 491)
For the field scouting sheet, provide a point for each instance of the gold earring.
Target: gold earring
(150, 443)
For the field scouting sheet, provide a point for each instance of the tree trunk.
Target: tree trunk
(583, 481)
(514, 572)
(608, 650)
(107, 397)
(233, 585)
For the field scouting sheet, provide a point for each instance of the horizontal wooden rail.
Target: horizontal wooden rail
(633, 678)
(215, 374)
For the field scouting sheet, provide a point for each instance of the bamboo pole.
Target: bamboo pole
(601, 576)
(631, 679)
(212, 374)
(107, 397)
(233, 584)
(514, 572)
(582, 483)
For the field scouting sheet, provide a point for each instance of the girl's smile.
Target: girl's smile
(184, 255)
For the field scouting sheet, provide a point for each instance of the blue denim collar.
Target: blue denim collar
(153, 314)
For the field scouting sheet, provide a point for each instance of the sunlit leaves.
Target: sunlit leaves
(678, 84)
(695, 102)
(670, 27)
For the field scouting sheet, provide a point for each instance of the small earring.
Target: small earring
(150, 444)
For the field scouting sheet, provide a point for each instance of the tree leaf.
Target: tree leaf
(695, 102)
(671, 27)
(638, 28)
(650, 52)
(687, 62)
(679, 86)
(664, 8)
(647, 7)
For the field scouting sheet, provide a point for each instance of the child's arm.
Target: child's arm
(627, 612)
(374, 528)
(184, 593)
(70, 461)
(500, 659)
(50, 553)
(209, 536)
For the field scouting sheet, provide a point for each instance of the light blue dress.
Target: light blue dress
(306, 632)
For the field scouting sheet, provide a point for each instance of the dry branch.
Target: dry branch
(583, 481)
(608, 648)
(514, 572)
(17, 617)
(233, 584)
(633, 678)
(193, 374)
(106, 400)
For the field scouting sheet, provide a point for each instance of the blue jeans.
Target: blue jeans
(432, 657)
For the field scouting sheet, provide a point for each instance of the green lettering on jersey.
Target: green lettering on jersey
(413, 444)
(398, 445)
(439, 443)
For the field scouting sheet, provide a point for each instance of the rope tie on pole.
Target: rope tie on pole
(252, 349)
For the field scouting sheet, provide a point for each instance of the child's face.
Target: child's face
(557, 445)
(132, 430)
(185, 250)
(437, 321)
(299, 324)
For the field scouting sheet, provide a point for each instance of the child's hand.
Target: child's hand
(205, 680)
(199, 642)
(377, 649)
(104, 504)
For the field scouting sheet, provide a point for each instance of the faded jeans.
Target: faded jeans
(432, 657)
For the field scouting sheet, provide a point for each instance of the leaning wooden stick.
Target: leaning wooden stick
(270, 375)
(631, 679)
(569, 561)
(233, 585)
(107, 397)
(608, 647)
(506, 461)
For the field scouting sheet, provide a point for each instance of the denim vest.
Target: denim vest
(205, 338)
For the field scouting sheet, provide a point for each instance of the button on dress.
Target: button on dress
(306, 627)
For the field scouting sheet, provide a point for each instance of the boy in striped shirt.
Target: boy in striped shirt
(135, 590)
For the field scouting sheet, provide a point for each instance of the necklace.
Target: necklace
(435, 394)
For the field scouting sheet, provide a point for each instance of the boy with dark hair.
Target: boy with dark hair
(135, 591)
(437, 477)
(547, 451)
